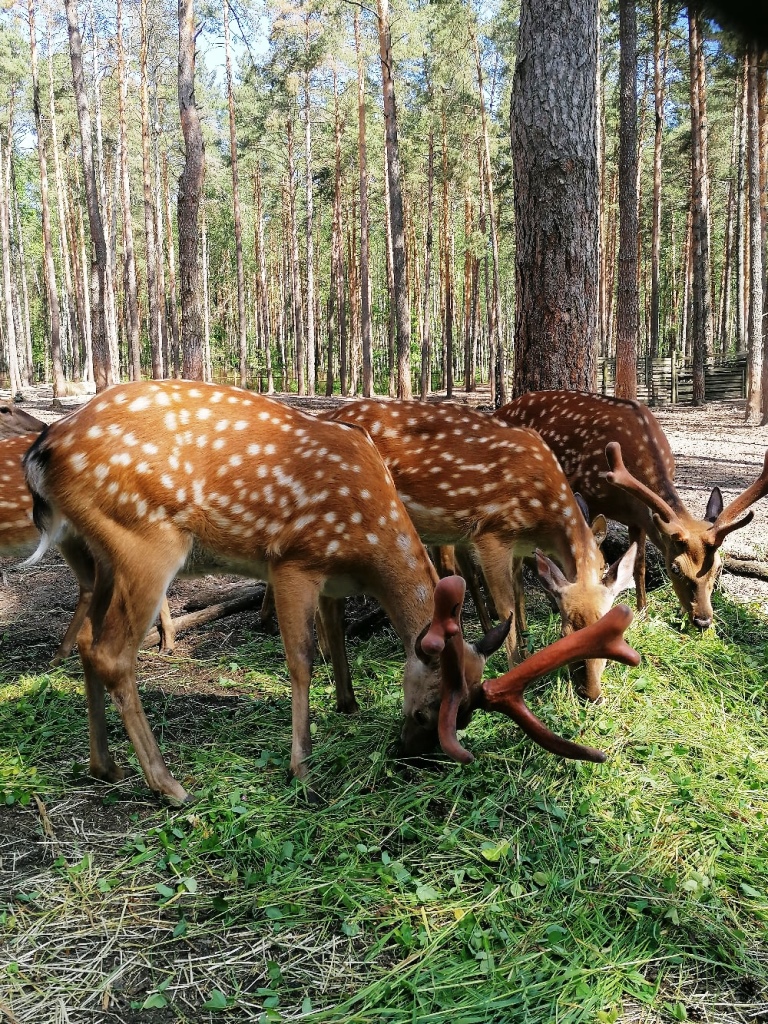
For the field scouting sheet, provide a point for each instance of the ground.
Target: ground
(114, 911)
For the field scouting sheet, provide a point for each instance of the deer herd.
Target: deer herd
(154, 479)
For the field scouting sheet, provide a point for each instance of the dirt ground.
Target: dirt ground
(712, 446)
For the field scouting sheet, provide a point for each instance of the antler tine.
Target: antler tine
(444, 637)
(603, 639)
(726, 522)
(620, 476)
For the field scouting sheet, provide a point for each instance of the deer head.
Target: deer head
(690, 546)
(460, 696)
(14, 421)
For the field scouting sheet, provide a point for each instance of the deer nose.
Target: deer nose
(702, 623)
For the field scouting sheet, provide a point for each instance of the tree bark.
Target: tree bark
(190, 195)
(700, 256)
(262, 295)
(129, 256)
(172, 316)
(102, 364)
(447, 266)
(10, 327)
(295, 272)
(755, 308)
(658, 102)
(51, 289)
(402, 305)
(241, 323)
(554, 150)
(153, 305)
(365, 281)
(628, 297)
(311, 358)
(426, 313)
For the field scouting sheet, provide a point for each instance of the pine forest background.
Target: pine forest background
(292, 87)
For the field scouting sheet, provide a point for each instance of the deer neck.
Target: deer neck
(409, 599)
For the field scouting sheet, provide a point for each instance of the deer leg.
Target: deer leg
(332, 618)
(495, 562)
(469, 572)
(122, 609)
(638, 535)
(267, 612)
(444, 559)
(521, 619)
(80, 561)
(166, 629)
(296, 599)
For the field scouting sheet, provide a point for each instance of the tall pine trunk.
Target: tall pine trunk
(241, 324)
(102, 364)
(189, 199)
(700, 255)
(365, 281)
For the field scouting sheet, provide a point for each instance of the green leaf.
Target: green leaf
(426, 894)
(306, 1005)
(749, 890)
(216, 1001)
(190, 884)
(493, 852)
(165, 890)
(154, 1001)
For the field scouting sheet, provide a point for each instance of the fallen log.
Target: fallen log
(745, 567)
(246, 600)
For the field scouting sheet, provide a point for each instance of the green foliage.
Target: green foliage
(518, 888)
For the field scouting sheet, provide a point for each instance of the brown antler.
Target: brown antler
(620, 476)
(603, 639)
(728, 520)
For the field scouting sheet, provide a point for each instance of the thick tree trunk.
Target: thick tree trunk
(102, 364)
(402, 305)
(28, 360)
(190, 195)
(554, 150)
(262, 295)
(755, 308)
(390, 267)
(701, 266)
(172, 314)
(207, 369)
(628, 298)
(241, 323)
(51, 289)
(741, 216)
(365, 281)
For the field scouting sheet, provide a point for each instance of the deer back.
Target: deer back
(18, 534)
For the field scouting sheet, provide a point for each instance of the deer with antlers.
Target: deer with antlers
(501, 492)
(159, 476)
(638, 488)
(19, 536)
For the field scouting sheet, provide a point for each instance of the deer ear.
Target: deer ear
(599, 530)
(714, 505)
(582, 505)
(551, 577)
(620, 576)
(493, 639)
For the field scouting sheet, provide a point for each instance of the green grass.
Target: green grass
(519, 888)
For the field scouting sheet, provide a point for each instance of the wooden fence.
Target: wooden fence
(669, 381)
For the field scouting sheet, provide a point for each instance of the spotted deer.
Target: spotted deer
(15, 421)
(637, 488)
(168, 476)
(19, 535)
(467, 482)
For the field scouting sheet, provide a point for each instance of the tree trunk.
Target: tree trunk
(755, 307)
(335, 291)
(296, 296)
(402, 305)
(426, 341)
(741, 215)
(554, 150)
(51, 289)
(207, 369)
(190, 195)
(10, 327)
(129, 257)
(447, 267)
(700, 256)
(311, 367)
(172, 310)
(261, 261)
(496, 339)
(658, 93)
(627, 299)
(102, 364)
(241, 324)
(153, 305)
(390, 268)
(365, 282)
(30, 369)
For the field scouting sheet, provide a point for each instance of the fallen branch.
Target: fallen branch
(745, 567)
(246, 600)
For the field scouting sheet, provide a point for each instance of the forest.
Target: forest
(309, 274)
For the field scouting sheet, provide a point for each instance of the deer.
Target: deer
(637, 488)
(15, 421)
(165, 476)
(469, 483)
(19, 536)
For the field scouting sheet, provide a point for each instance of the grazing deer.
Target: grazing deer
(158, 476)
(639, 490)
(465, 481)
(19, 536)
(15, 421)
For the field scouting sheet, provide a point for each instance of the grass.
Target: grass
(520, 888)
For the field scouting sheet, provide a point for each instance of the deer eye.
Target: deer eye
(675, 569)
